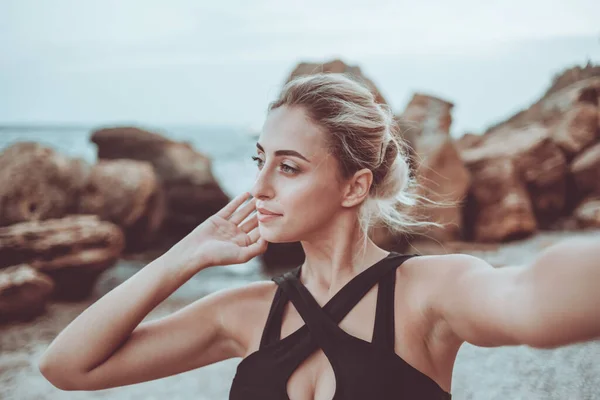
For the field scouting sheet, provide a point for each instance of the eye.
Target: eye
(258, 161)
(288, 169)
(285, 168)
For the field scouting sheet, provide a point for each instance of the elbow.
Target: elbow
(57, 376)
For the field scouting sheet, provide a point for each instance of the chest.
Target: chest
(315, 379)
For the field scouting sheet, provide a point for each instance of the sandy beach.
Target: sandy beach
(515, 373)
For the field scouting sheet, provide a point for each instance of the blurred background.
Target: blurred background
(124, 124)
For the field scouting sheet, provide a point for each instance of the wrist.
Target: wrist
(176, 260)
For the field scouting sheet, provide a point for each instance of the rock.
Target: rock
(467, 141)
(24, 292)
(543, 168)
(565, 224)
(588, 213)
(127, 193)
(573, 75)
(437, 164)
(49, 183)
(426, 115)
(551, 108)
(444, 179)
(539, 164)
(72, 250)
(568, 111)
(590, 95)
(191, 192)
(577, 129)
(498, 207)
(337, 66)
(585, 170)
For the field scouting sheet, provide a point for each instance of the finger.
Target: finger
(243, 212)
(229, 209)
(254, 249)
(254, 235)
(250, 223)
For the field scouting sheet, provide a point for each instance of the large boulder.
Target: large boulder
(37, 183)
(439, 169)
(24, 292)
(72, 250)
(587, 213)
(551, 108)
(577, 129)
(573, 75)
(564, 120)
(426, 115)
(585, 170)
(445, 180)
(468, 140)
(543, 169)
(127, 193)
(539, 165)
(191, 192)
(498, 207)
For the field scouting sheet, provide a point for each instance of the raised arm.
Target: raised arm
(105, 347)
(552, 302)
(108, 346)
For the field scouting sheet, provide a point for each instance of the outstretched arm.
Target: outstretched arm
(553, 302)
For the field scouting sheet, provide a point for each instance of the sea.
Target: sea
(230, 148)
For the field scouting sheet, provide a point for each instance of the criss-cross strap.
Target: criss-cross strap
(318, 320)
(383, 330)
(349, 295)
(272, 330)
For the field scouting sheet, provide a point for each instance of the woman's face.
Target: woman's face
(296, 177)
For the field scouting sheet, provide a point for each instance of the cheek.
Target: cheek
(309, 204)
(306, 204)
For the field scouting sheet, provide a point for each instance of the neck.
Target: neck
(337, 254)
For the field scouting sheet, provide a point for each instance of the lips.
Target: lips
(264, 211)
(265, 215)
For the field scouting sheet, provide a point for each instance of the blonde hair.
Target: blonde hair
(361, 134)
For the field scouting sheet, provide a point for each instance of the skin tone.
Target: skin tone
(316, 210)
(440, 301)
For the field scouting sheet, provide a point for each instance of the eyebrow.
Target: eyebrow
(284, 153)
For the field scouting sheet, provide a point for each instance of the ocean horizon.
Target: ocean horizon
(229, 148)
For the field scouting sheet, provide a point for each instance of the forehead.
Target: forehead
(290, 128)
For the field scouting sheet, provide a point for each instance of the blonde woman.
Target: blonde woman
(353, 321)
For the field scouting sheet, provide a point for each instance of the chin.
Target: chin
(273, 235)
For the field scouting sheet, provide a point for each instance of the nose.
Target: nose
(262, 187)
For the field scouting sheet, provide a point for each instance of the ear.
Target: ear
(358, 187)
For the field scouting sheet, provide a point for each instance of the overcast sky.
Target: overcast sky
(220, 62)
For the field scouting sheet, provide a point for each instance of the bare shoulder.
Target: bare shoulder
(243, 311)
(426, 277)
(432, 269)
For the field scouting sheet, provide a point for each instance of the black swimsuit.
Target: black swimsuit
(363, 370)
